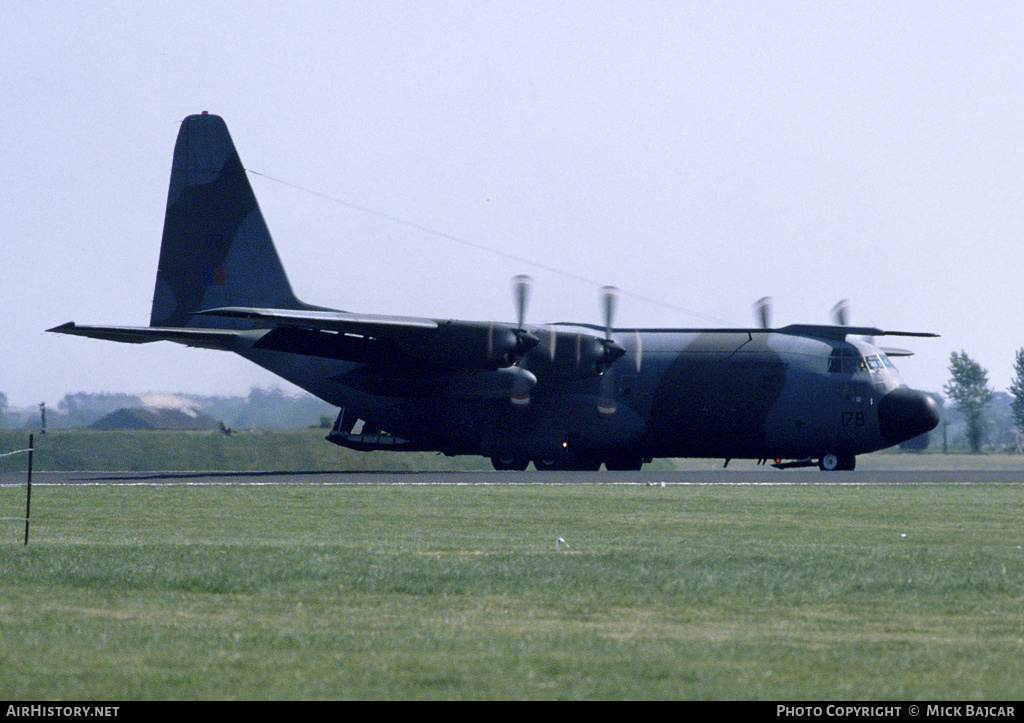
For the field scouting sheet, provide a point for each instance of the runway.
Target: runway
(721, 477)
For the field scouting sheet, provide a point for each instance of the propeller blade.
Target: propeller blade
(521, 286)
(612, 351)
(763, 307)
(611, 296)
(841, 312)
(552, 339)
(638, 349)
(525, 341)
(841, 316)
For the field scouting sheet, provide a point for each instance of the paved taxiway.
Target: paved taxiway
(765, 477)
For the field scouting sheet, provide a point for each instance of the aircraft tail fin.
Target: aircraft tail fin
(216, 249)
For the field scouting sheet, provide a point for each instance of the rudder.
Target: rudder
(216, 249)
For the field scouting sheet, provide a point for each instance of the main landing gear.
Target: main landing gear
(578, 464)
(517, 464)
(828, 463)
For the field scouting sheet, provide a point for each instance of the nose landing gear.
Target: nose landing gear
(841, 462)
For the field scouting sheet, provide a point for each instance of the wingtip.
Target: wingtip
(919, 334)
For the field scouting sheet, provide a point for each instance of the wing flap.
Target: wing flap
(339, 321)
(449, 344)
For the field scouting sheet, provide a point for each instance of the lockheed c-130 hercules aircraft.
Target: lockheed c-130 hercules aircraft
(564, 396)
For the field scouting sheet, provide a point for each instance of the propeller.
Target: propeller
(521, 286)
(763, 309)
(596, 354)
(508, 346)
(525, 341)
(612, 351)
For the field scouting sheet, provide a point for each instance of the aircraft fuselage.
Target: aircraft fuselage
(729, 395)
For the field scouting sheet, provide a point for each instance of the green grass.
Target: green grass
(456, 592)
(133, 451)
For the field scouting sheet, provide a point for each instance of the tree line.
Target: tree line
(968, 388)
(260, 409)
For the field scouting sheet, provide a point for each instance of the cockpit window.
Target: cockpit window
(846, 361)
(849, 361)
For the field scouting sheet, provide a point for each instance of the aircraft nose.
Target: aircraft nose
(905, 413)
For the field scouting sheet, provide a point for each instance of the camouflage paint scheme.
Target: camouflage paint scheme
(566, 396)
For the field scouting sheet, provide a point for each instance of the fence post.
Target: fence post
(28, 487)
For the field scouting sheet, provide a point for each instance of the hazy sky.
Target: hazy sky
(698, 154)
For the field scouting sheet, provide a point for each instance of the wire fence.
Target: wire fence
(28, 485)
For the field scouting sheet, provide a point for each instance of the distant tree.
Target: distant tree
(968, 388)
(1017, 391)
(81, 409)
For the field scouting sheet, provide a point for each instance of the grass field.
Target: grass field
(298, 449)
(456, 592)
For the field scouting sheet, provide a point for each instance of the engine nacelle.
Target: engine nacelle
(575, 354)
(470, 345)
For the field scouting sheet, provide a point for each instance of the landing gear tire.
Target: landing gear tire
(624, 463)
(840, 462)
(509, 463)
(568, 464)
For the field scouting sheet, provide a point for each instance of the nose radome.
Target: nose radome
(905, 413)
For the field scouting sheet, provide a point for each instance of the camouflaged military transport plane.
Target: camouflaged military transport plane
(564, 396)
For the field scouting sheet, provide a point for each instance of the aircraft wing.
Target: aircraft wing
(822, 331)
(836, 332)
(409, 346)
(394, 340)
(202, 338)
(338, 321)
(840, 331)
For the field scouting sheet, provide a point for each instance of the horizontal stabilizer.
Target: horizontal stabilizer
(203, 338)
